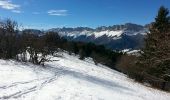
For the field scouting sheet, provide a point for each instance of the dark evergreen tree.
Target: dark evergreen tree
(155, 56)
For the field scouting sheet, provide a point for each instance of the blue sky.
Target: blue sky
(44, 14)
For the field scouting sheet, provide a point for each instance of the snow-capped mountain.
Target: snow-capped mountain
(116, 37)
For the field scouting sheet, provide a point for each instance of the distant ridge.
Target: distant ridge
(116, 37)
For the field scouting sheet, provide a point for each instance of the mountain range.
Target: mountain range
(117, 37)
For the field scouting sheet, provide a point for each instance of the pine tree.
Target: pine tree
(155, 56)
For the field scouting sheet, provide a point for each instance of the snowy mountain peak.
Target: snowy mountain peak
(115, 37)
(110, 31)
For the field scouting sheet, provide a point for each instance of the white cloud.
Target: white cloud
(58, 12)
(8, 5)
(16, 11)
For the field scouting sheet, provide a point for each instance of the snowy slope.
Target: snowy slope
(70, 79)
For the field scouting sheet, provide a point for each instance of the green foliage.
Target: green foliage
(156, 53)
(155, 56)
(162, 20)
(153, 65)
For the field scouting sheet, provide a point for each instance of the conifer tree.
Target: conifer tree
(155, 56)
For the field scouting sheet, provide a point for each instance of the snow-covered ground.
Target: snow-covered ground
(70, 79)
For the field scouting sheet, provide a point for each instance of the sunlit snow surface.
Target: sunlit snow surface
(70, 79)
(76, 34)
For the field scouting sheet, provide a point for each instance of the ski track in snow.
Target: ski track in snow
(70, 79)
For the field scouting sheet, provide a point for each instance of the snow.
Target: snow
(116, 34)
(70, 79)
(131, 52)
(131, 33)
(108, 33)
(75, 34)
(125, 50)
